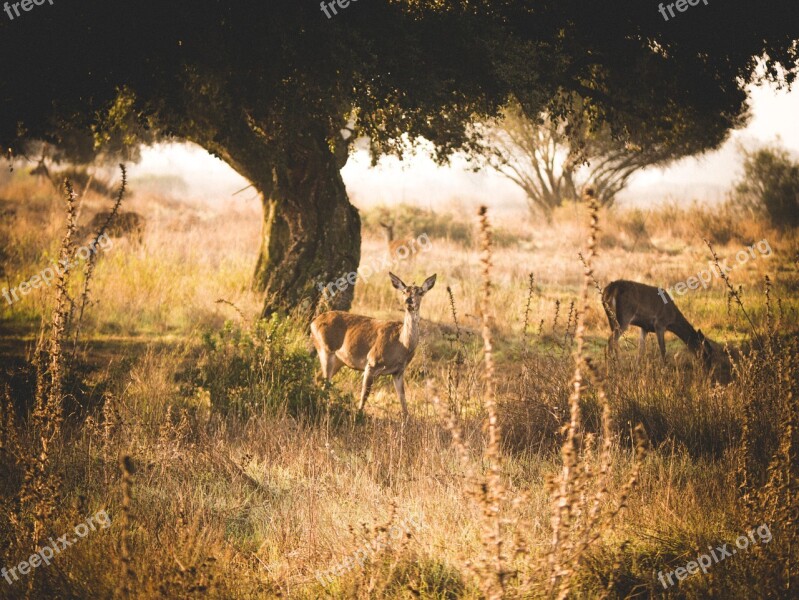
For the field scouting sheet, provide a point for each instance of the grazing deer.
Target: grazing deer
(124, 224)
(632, 303)
(370, 345)
(396, 247)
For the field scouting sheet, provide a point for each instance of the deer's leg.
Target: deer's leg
(613, 340)
(399, 385)
(368, 377)
(612, 351)
(642, 344)
(329, 362)
(324, 362)
(661, 335)
(333, 365)
(618, 328)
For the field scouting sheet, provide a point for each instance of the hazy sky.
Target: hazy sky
(775, 114)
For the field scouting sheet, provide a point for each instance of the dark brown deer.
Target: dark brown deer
(127, 224)
(653, 310)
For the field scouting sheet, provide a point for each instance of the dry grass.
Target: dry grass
(242, 478)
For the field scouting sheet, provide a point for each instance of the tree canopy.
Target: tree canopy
(268, 86)
(770, 185)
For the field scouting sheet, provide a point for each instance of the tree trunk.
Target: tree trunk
(311, 233)
(311, 236)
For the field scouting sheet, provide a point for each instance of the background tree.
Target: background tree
(770, 185)
(554, 161)
(268, 87)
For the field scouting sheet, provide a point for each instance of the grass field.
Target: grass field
(228, 471)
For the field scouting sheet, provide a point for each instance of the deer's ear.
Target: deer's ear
(397, 282)
(428, 283)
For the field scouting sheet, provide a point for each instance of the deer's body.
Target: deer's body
(653, 310)
(374, 346)
(396, 246)
(124, 224)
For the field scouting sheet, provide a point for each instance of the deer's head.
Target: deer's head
(413, 294)
(389, 229)
(705, 349)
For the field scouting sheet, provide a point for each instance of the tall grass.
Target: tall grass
(524, 463)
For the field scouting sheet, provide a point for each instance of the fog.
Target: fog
(418, 180)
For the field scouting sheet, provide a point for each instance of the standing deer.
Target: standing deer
(370, 345)
(395, 246)
(653, 310)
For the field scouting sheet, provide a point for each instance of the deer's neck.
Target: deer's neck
(409, 336)
(686, 332)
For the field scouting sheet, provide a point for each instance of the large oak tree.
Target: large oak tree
(268, 86)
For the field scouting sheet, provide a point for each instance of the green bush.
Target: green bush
(80, 178)
(263, 369)
(717, 224)
(412, 221)
(770, 184)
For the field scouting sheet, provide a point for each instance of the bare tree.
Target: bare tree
(554, 161)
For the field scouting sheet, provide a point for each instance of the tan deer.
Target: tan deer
(653, 310)
(398, 249)
(370, 345)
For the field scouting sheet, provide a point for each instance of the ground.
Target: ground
(252, 479)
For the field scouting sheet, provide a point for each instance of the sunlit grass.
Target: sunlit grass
(277, 495)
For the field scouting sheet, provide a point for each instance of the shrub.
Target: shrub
(770, 184)
(80, 178)
(266, 368)
(412, 221)
(717, 224)
(628, 230)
